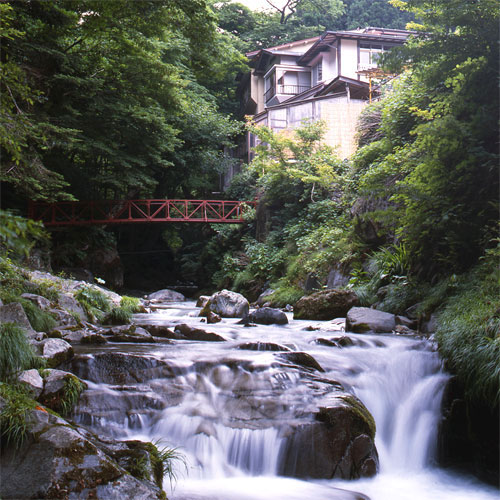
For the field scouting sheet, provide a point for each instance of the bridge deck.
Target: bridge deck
(78, 213)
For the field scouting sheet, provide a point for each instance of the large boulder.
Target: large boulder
(59, 390)
(268, 316)
(41, 302)
(227, 304)
(70, 304)
(166, 296)
(325, 305)
(366, 320)
(58, 460)
(186, 332)
(14, 313)
(338, 444)
(32, 381)
(128, 333)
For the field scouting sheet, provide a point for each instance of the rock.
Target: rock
(262, 346)
(166, 296)
(404, 330)
(403, 320)
(32, 380)
(213, 318)
(158, 330)
(336, 279)
(302, 359)
(129, 333)
(56, 351)
(105, 263)
(63, 318)
(227, 304)
(340, 444)
(69, 303)
(312, 283)
(325, 305)
(366, 320)
(54, 390)
(62, 462)
(268, 316)
(186, 332)
(431, 325)
(343, 341)
(262, 298)
(14, 313)
(202, 300)
(41, 302)
(119, 368)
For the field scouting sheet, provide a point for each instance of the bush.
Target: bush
(94, 302)
(16, 354)
(73, 387)
(118, 316)
(13, 417)
(468, 332)
(285, 294)
(131, 304)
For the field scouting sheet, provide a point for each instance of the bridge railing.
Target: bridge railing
(77, 213)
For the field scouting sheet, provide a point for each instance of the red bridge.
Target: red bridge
(79, 213)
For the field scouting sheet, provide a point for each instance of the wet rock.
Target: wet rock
(213, 318)
(325, 305)
(14, 313)
(129, 333)
(166, 296)
(32, 380)
(119, 368)
(262, 346)
(227, 304)
(202, 300)
(62, 463)
(268, 316)
(302, 359)
(56, 351)
(38, 300)
(158, 330)
(343, 341)
(366, 320)
(186, 332)
(339, 444)
(404, 330)
(336, 278)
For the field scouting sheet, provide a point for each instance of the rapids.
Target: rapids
(225, 408)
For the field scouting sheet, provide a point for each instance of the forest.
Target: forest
(105, 100)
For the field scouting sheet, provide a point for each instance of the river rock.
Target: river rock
(14, 313)
(186, 332)
(58, 461)
(32, 380)
(366, 320)
(325, 305)
(336, 278)
(302, 359)
(227, 304)
(340, 444)
(54, 390)
(56, 351)
(38, 300)
(213, 318)
(202, 300)
(63, 318)
(268, 316)
(404, 321)
(166, 296)
(343, 341)
(263, 346)
(129, 333)
(158, 330)
(119, 368)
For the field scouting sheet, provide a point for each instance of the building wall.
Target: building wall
(341, 117)
(349, 58)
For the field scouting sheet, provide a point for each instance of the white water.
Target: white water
(400, 380)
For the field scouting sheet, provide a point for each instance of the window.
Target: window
(318, 72)
(369, 54)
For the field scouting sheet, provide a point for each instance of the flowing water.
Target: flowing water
(228, 410)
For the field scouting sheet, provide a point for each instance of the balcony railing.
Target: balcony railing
(285, 90)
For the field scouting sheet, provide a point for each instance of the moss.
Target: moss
(362, 412)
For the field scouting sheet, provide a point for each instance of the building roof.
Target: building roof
(330, 39)
(283, 46)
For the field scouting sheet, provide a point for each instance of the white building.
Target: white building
(324, 77)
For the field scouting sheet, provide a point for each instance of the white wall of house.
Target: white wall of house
(349, 58)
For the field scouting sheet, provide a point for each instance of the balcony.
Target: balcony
(285, 90)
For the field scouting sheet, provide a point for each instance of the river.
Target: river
(225, 409)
